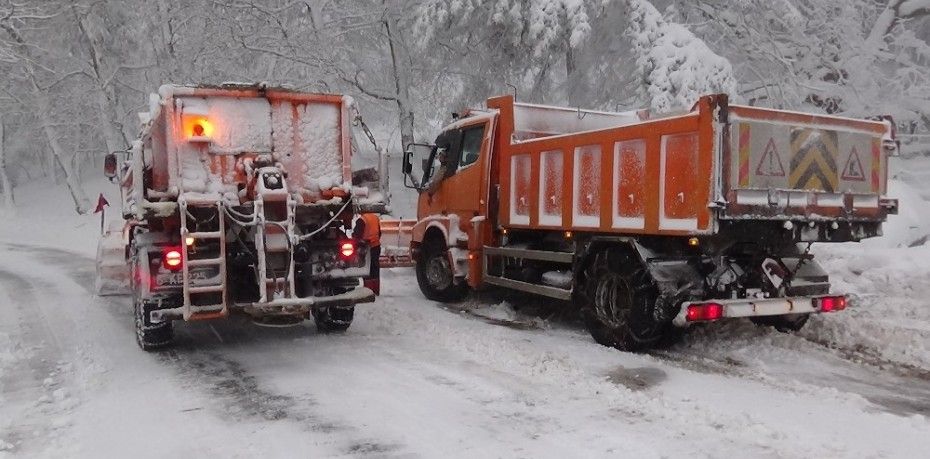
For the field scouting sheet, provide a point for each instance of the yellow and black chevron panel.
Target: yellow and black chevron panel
(813, 159)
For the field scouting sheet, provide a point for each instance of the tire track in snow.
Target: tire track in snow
(796, 362)
(210, 361)
(892, 386)
(211, 367)
(37, 386)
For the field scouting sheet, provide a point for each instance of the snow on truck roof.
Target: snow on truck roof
(535, 121)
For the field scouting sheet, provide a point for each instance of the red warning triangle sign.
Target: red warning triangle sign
(770, 165)
(853, 168)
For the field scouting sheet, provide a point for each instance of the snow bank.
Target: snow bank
(912, 224)
(45, 216)
(889, 315)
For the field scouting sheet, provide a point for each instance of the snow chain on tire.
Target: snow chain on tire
(150, 336)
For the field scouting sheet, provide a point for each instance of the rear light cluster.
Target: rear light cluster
(703, 312)
(346, 250)
(831, 303)
(171, 258)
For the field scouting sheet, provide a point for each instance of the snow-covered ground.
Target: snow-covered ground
(414, 379)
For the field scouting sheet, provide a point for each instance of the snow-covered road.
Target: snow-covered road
(413, 379)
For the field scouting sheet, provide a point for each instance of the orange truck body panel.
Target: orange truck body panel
(653, 177)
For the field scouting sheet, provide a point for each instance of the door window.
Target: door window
(472, 138)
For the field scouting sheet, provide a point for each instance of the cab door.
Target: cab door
(462, 191)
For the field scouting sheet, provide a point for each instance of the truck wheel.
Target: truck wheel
(435, 275)
(150, 336)
(333, 320)
(619, 301)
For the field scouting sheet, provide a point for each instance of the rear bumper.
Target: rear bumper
(301, 306)
(755, 307)
(283, 306)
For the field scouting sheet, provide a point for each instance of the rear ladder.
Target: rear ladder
(193, 309)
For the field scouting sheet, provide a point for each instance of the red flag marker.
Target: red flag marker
(101, 202)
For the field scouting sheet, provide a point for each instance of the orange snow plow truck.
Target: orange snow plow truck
(239, 198)
(648, 225)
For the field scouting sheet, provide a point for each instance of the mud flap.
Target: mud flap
(112, 269)
(676, 278)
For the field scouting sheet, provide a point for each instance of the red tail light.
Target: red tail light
(347, 250)
(172, 259)
(832, 303)
(704, 312)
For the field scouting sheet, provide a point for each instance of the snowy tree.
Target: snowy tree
(16, 22)
(675, 66)
(855, 58)
(76, 72)
(6, 185)
(486, 45)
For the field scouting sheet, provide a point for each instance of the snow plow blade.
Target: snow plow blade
(112, 269)
(395, 243)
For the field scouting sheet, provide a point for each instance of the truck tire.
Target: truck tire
(435, 275)
(150, 336)
(333, 320)
(618, 303)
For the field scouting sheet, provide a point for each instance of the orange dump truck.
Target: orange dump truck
(648, 224)
(239, 199)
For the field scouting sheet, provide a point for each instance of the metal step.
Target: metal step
(541, 255)
(205, 289)
(205, 262)
(210, 314)
(552, 292)
(205, 235)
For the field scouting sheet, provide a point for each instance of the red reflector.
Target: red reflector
(198, 130)
(840, 303)
(347, 249)
(704, 311)
(172, 259)
(832, 303)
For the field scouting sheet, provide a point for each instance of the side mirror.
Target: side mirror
(420, 153)
(408, 161)
(110, 166)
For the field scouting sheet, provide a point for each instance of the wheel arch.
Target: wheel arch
(428, 228)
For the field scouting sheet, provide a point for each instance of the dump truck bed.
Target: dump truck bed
(574, 170)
